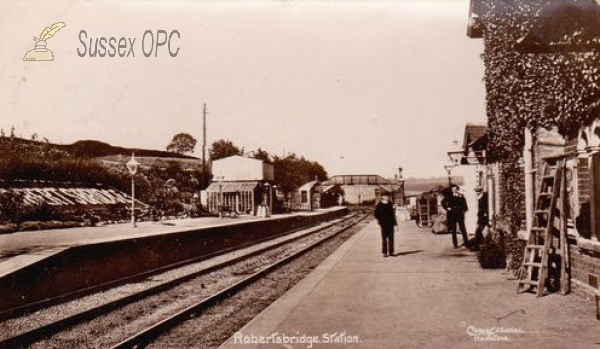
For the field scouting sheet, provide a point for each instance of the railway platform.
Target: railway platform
(23, 248)
(37, 266)
(429, 295)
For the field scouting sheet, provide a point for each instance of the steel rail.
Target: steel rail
(146, 336)
(34, 335)
(31, 307)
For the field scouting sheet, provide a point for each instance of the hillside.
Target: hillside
(27, 163)
(416, 186)
(35, 178)
(85, 149)
(94, 149)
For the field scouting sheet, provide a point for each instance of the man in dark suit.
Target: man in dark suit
(455, 205)
(386, 217)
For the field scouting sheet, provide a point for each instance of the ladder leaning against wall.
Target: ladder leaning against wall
(545, 262)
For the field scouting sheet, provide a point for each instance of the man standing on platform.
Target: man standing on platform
(386, 217)
(455, 205)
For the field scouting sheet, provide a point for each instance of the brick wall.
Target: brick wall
(585, 267)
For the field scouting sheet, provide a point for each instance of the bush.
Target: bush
(11, 204)
(492, 253)
(44, 225)
(39, 212)
(8, 228)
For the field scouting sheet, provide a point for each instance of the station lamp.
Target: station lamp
(132, 167)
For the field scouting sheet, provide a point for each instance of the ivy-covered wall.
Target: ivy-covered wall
(536, 76)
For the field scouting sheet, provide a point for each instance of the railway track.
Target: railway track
(149, 308)
(31, 307)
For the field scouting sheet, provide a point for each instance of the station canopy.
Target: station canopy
(232, 187)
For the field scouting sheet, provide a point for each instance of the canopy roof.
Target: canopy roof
(232, 187)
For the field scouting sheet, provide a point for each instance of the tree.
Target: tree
(182, 143)
(223, 148)
(291, 172)
(262, 155)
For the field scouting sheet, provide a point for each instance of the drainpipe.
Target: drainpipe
(529, 178)
(491, 190)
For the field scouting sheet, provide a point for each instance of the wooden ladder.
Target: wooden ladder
(542, 254)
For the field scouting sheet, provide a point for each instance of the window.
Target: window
(480, 179)
(304, 196)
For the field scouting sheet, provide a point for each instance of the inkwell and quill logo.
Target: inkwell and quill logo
(40, 52)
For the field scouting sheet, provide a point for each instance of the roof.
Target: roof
(564, 26)
(473, 132)
(237, 158)
(232, 187)
(308, 186)
(327, 188)
(333, 187)
(480, 143)
(475, 27)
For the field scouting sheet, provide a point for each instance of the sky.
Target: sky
(361, 87)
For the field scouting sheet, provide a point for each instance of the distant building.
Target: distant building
(308, 196)
(241, 168)
(332, 195)
(240, 184)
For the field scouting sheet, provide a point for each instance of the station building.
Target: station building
(307, 197)
(568, 27)
(242, 185)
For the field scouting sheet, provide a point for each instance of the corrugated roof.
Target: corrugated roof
(231, 187)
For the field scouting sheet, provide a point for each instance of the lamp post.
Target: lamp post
(456, 157)
(132, 167)
(400, 187)
(448, 169)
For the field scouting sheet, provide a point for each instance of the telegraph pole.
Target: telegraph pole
(203, 145)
